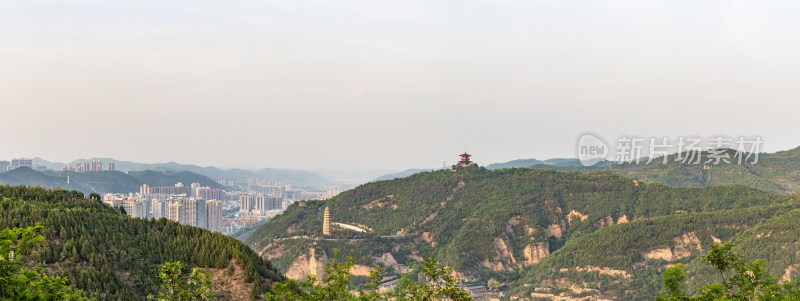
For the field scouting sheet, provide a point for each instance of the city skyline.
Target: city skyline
(386, 85)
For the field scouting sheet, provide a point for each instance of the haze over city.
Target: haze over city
(386, 85)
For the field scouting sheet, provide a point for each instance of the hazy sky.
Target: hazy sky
(387, 84)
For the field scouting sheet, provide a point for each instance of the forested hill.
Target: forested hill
(102, 181)
(114, 257)
(774, 172)
(540, 231)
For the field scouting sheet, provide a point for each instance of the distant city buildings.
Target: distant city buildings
(333, 191)
(242, 203)
(187, 210)
(264, 198)
(298, 195)
(226, 182)
(264, 203)
(133, 207)
(17, 163)
(209, 193)
(87, 166)
(6, 165)
(176, 189)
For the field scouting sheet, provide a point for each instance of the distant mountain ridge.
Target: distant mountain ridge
(531, 162)
(300, 178)
(777, 172)
(103, 181)
(403, 174)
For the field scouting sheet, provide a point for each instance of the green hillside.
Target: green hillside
(774, 172)
(114, 257)
(541, 231)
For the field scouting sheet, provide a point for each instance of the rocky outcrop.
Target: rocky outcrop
(426, 237)
(535, 252)
(379, 203)
(604, 222)
(553, 230)
(684, 245)
(663, 253)
(386, 260)
(787, 273)
(600, 270)
(575, 216)
(504, 253)
(360, 270)
(307, 264)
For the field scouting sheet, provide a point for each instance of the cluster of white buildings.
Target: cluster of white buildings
(203, 207)
(88, 166)
(188, 209)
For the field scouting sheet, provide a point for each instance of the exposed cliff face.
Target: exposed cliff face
(553, 230)
(505, 260)
(535, 252)
(307, 264)
(313, 263)
(684, 245)
(575, 216)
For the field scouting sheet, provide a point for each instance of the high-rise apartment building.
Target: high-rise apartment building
(4, 165)
(269, 190)
(140, 209)
(176, 212)
(195, 212)
(177, 189)
(214, 216)
(194, 188)
(159, 209)
(96, 166)
(264, 203)
(17, 163)
(246, 203)
(209, 193)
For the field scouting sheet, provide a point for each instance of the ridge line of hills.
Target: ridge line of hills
(546, 233)
(108, 181)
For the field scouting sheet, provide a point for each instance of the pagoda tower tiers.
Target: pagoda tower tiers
(465, 159)
(326, 222)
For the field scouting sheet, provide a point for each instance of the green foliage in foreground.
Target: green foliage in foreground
(178, 287)
(18, 282)
(741, 280)
(439, 284)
